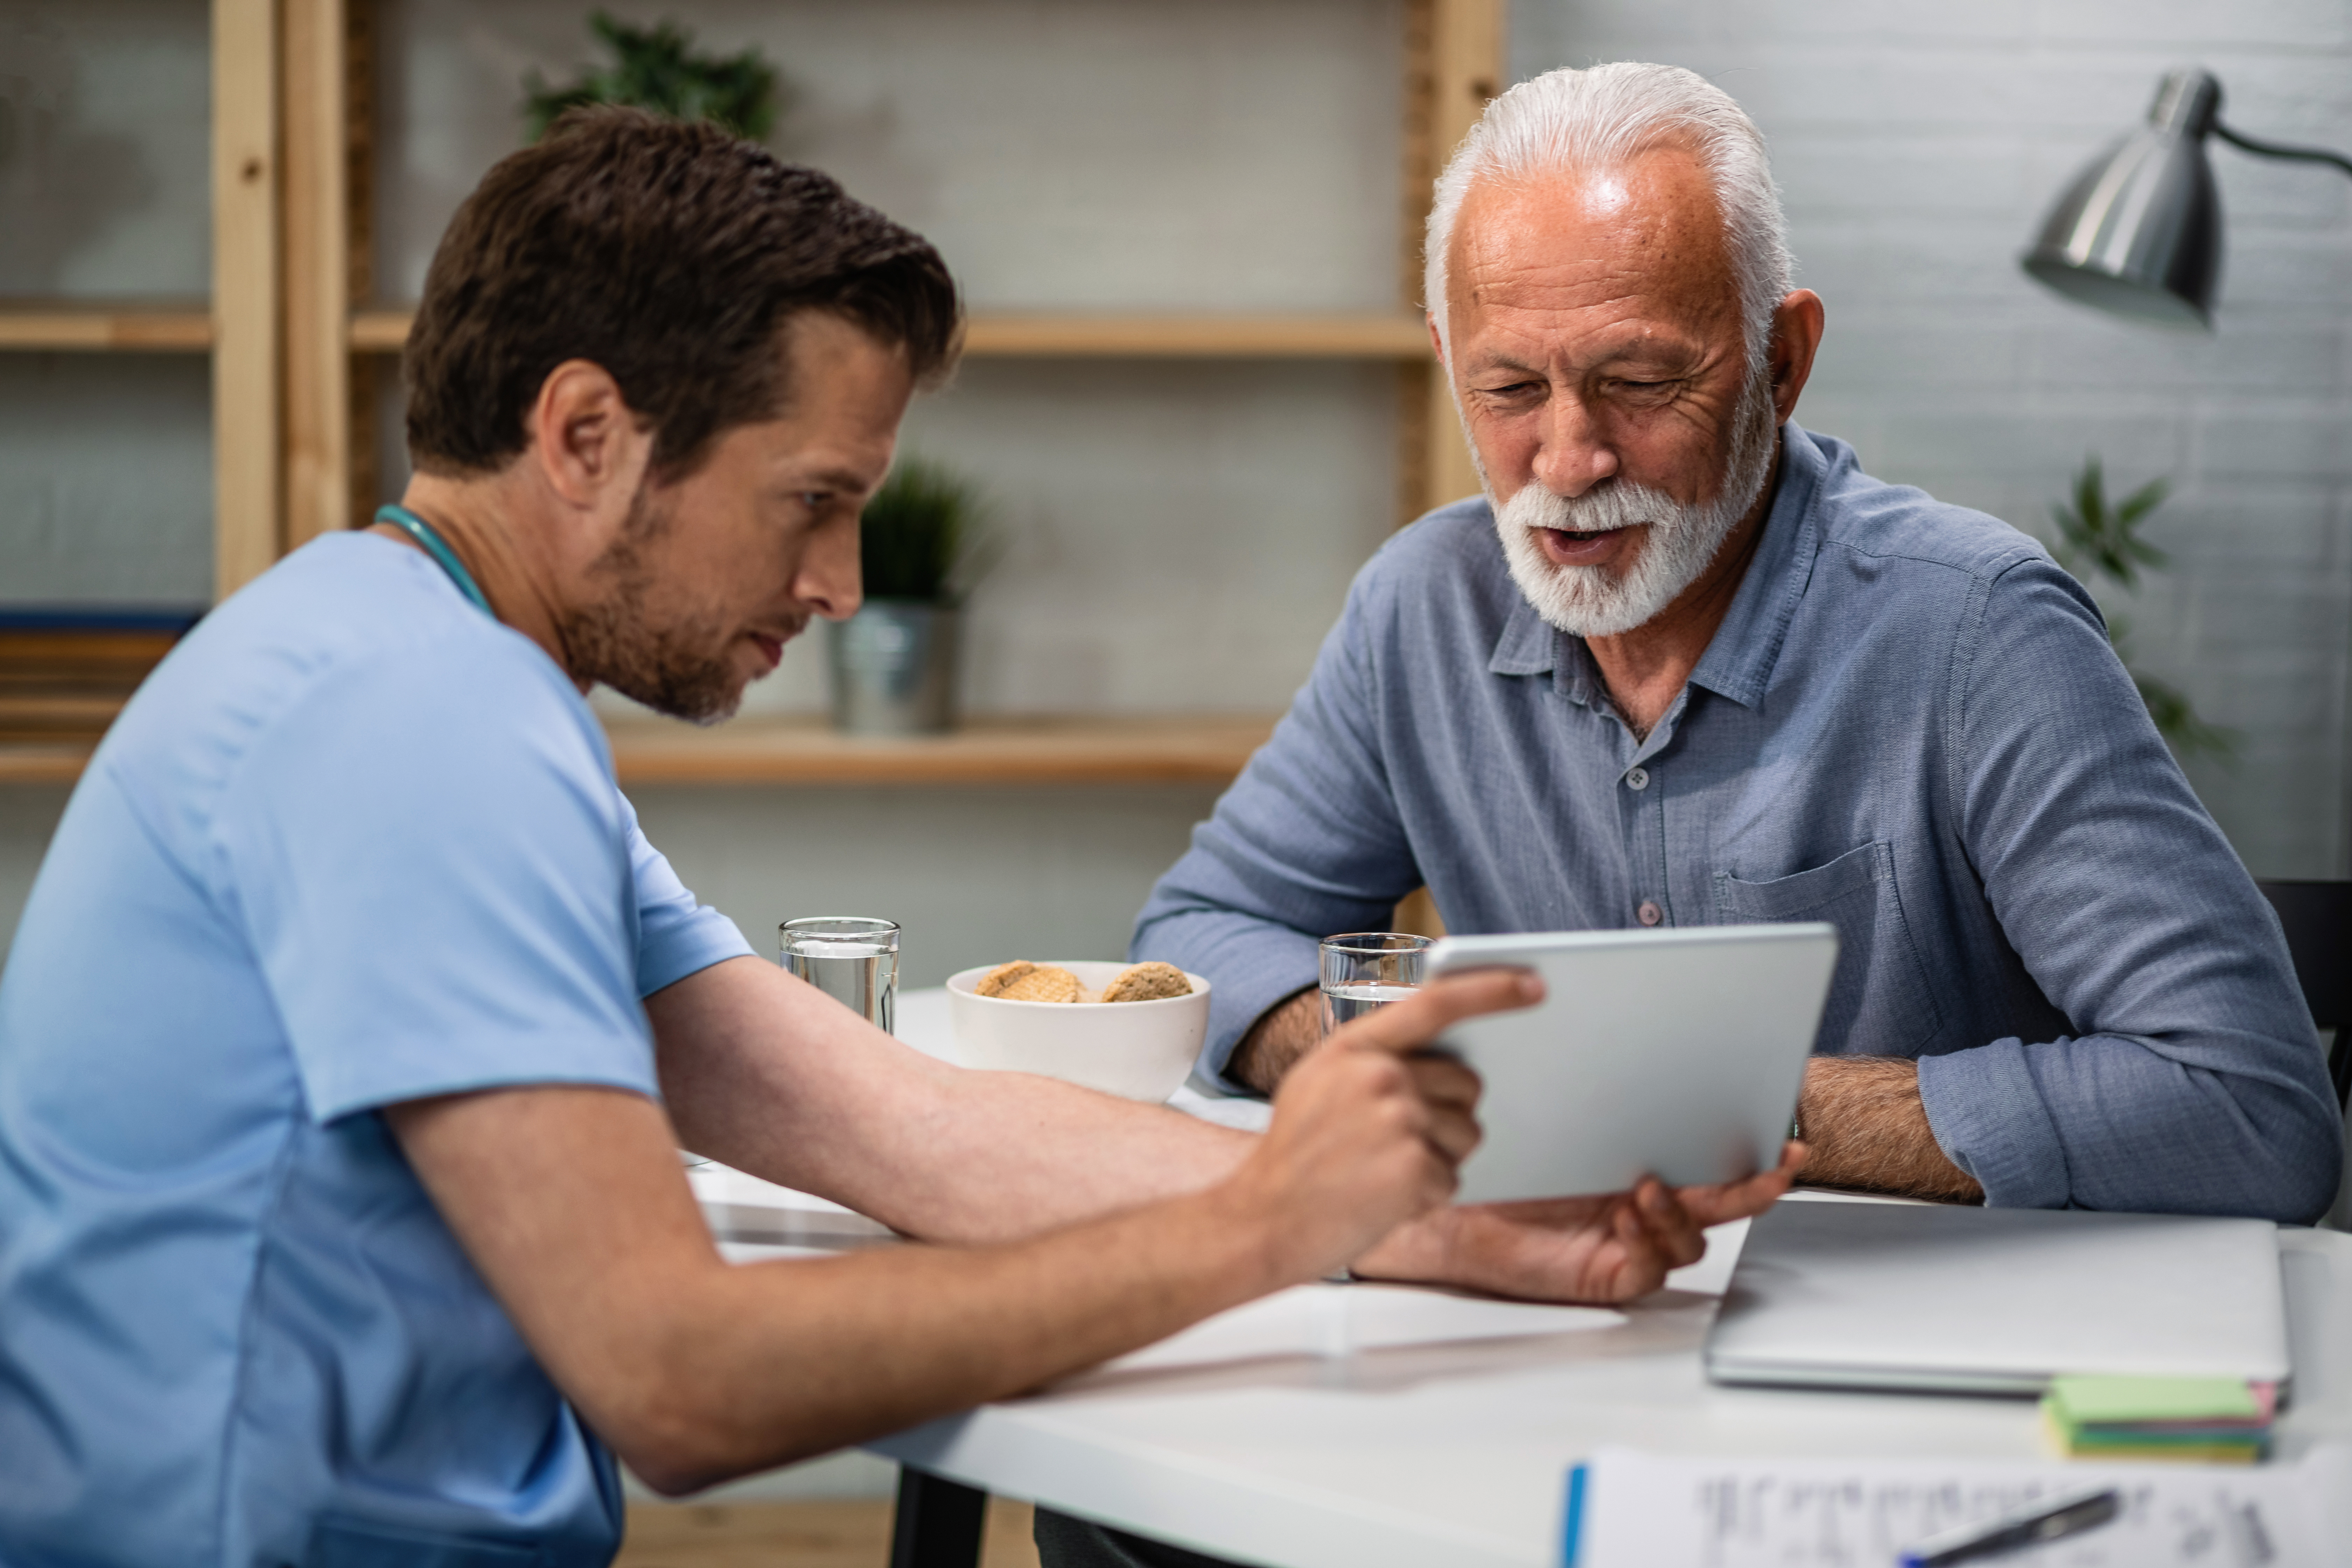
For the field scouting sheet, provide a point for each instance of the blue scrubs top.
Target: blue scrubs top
(353, 843)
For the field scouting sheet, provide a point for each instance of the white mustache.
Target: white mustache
(1609, 509)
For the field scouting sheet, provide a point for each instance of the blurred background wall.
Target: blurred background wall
(1181, 534)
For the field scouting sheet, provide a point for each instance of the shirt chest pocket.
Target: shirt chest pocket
(1880, 1002)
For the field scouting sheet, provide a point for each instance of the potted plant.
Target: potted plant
(921, 548)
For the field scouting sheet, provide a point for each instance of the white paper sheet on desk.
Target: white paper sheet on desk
(1341, 1320)
(1643, 1510)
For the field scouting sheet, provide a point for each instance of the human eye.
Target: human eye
(1513, 391)
(1643, 389)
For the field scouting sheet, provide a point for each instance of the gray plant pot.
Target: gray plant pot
(894, 668)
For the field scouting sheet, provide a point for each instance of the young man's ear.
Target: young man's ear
(585, 440)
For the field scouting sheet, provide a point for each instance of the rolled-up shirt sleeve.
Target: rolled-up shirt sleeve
(1306, 843)
(2193, 1080)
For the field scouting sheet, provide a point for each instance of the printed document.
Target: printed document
(1642, 1511)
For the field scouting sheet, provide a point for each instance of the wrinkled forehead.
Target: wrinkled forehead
(1642, 237)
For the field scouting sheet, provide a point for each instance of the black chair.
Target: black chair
(2318, 920)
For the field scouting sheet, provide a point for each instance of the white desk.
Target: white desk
(1454, 1453)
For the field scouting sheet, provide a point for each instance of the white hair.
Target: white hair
(1568, 121)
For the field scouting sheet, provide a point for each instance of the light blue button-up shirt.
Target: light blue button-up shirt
(1910, 724)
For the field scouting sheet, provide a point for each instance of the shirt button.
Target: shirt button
(1649, 914)
(1637, 778)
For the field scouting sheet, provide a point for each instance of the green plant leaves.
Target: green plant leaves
(923, 535)
(2097, 538)
(656, 68)
(2104, 536)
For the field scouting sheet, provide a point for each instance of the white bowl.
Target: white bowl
(1138, 1050)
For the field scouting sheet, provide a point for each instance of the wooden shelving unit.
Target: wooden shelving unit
(289, 329)
(1453, 65)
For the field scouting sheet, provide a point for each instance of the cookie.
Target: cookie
(1148, 982)
(1022, 981)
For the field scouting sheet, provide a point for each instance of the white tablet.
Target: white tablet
(1673, 1053)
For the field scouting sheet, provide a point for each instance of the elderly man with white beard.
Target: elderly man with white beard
(1686, 663)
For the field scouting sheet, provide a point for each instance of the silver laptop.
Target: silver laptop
(1903, 1295)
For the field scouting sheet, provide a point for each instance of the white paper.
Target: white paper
(1642, 1511)
(1331, 1320)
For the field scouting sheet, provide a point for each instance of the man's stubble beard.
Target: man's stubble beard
(681, 669)
(1681, 542)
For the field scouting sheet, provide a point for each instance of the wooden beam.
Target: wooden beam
(1467, 70)
(125, 329)
(1378, 335)
(1005, 750)
(248, 505)
(318, 422)
(1417, 168)
(44, 763)
(359, 249)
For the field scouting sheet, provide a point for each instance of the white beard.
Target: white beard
(1599, 601)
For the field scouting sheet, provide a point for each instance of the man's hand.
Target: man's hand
(1366, 1134)
(1865, 1122)
(1609, 1248)
(1283, 1033)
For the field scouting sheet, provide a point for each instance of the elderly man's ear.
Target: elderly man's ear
(1796, 337)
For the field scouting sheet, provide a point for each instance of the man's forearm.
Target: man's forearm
(1862, 1120)
(696, 1371)
(772, 1076)
(1283, 1033)
(569, 1201)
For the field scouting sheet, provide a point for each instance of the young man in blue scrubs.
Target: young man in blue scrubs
(352, 1028)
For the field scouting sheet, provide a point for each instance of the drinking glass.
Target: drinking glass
(1366, 969)
(854, 959)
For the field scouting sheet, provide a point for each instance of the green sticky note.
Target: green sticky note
(2080, 1399)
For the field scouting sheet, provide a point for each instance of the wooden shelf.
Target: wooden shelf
(1390, 335)
(30, 762)
(179, 328)
(1379, 335)
(1187, 748)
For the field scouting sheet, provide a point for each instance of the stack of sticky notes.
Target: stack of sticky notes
(2205, 1420)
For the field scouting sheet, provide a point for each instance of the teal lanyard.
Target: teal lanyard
(419, 529)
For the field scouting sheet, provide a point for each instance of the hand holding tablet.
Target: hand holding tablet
(1675, 1054)
(1611, 1247)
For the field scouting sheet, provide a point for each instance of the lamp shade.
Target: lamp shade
(2138, 234)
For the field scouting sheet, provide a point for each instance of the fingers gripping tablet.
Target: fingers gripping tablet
(1677, 1054)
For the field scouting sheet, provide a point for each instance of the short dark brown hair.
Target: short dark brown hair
(671, 255)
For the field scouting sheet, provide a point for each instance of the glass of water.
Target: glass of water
(1367, 970)
(854, 959)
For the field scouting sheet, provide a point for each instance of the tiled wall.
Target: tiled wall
(1919, 145)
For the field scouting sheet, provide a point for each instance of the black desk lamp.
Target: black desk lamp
(2138, 234)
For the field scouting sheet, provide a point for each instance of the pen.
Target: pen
(2035, 1525)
